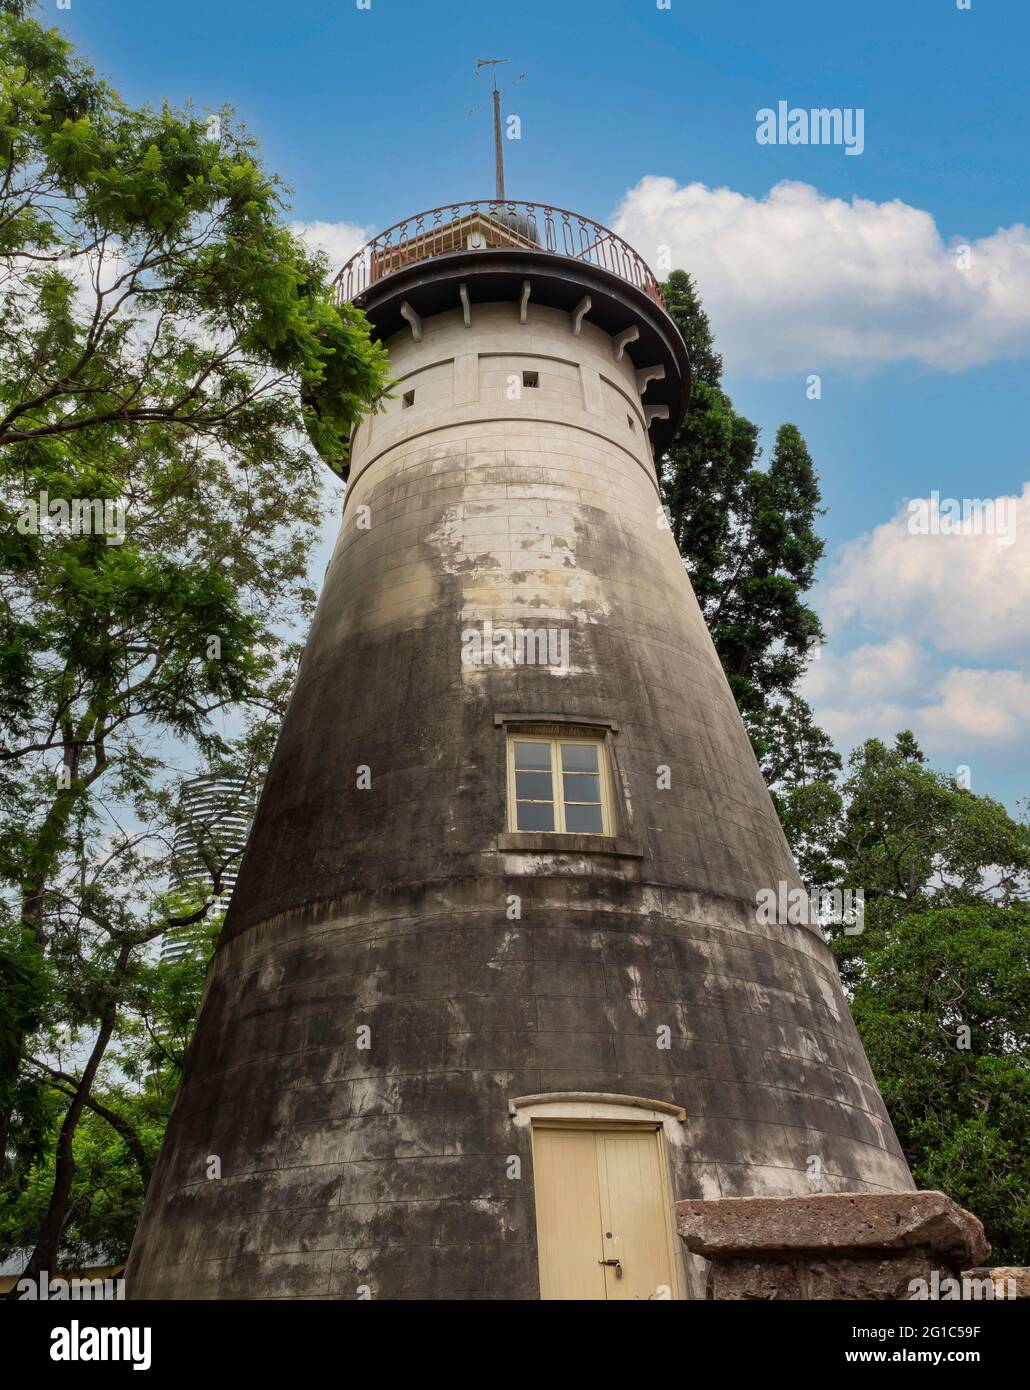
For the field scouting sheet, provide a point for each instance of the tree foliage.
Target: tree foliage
(914, 839)
(939, 978)
(118, 1138)
(149, 280)
(748, 539)
(173, 374)
(943, 1007)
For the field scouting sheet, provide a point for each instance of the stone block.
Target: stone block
(844, 1246)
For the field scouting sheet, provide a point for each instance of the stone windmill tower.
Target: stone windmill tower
(493, 992)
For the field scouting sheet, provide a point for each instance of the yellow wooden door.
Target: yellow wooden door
(633, 1214)
(600, 1197)
(568, 1207)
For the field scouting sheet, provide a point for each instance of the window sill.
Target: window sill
(547, 842)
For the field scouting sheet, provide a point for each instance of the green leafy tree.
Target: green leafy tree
(913, 839)
(939, 976)
(801, 767)
(159, 329)
(173, 373)
(118, 1136)
(943, 1008)
(124, 1017)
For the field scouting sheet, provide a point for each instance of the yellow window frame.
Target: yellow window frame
(558, 783)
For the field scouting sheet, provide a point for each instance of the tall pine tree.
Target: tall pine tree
(748, 539)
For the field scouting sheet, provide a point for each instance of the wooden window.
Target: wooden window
(558, 785)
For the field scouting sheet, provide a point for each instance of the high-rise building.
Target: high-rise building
(216, 812)
(495, 990)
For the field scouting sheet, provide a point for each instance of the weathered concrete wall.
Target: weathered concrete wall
(386, 907)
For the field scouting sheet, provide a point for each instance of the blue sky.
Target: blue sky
(640, 116)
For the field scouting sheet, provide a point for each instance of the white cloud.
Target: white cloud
(798, 281)
(878, 689)
(865, 691)
(962, 594)
(896, 667)
(990, 705)
(962, 597)
(339, 240)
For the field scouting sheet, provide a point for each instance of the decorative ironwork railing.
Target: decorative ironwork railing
(485, 223)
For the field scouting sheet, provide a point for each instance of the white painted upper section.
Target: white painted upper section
(466, 376)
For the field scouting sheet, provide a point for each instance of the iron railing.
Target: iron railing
(485, 223)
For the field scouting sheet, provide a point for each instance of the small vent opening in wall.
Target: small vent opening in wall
(407, 399)
(631, 422)
(531, 378)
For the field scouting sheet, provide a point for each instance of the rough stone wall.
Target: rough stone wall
(854, 1246)
(386, 907)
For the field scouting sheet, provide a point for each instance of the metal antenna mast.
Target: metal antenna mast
(498, 147)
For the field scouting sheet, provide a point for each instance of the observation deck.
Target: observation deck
(489, 251)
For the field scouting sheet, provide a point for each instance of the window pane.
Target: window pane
(579, 757)
(581, 787)
(583, 820)
(535, 815)
(533, 755)
(533, 786)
